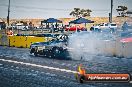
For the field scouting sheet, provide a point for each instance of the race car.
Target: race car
(54, 49)
(57, 48)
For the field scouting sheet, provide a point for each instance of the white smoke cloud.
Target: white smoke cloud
(86, 45)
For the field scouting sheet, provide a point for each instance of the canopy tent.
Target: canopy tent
(51, 20)
(81, 20)
(50, 23)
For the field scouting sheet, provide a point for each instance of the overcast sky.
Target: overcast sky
(58, 8)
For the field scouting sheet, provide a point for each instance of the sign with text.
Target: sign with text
(111, 77)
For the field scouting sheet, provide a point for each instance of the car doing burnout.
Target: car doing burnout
(55, 49)
(52, 49)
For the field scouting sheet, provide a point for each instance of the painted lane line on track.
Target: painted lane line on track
(40, 66)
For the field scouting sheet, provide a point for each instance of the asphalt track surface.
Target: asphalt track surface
(18, 68)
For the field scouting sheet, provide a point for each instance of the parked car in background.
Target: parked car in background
(95, 29)
(19, 26)
(107, 25)
(74, 28)
(112, 25)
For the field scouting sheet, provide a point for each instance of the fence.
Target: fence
(19, 41)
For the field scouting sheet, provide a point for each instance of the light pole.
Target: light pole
(8, 16)
(111, 11)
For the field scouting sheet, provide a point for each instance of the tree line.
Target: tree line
(78, 12)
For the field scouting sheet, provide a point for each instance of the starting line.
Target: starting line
(40, 66)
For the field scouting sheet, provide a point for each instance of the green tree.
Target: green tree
(122, 11)
(77, 12)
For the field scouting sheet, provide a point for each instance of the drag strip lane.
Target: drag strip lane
(40, 66)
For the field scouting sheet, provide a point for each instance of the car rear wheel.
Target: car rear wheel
(59, 52)
(56, 52)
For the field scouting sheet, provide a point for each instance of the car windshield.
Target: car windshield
(44, 43)
(41, 43)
